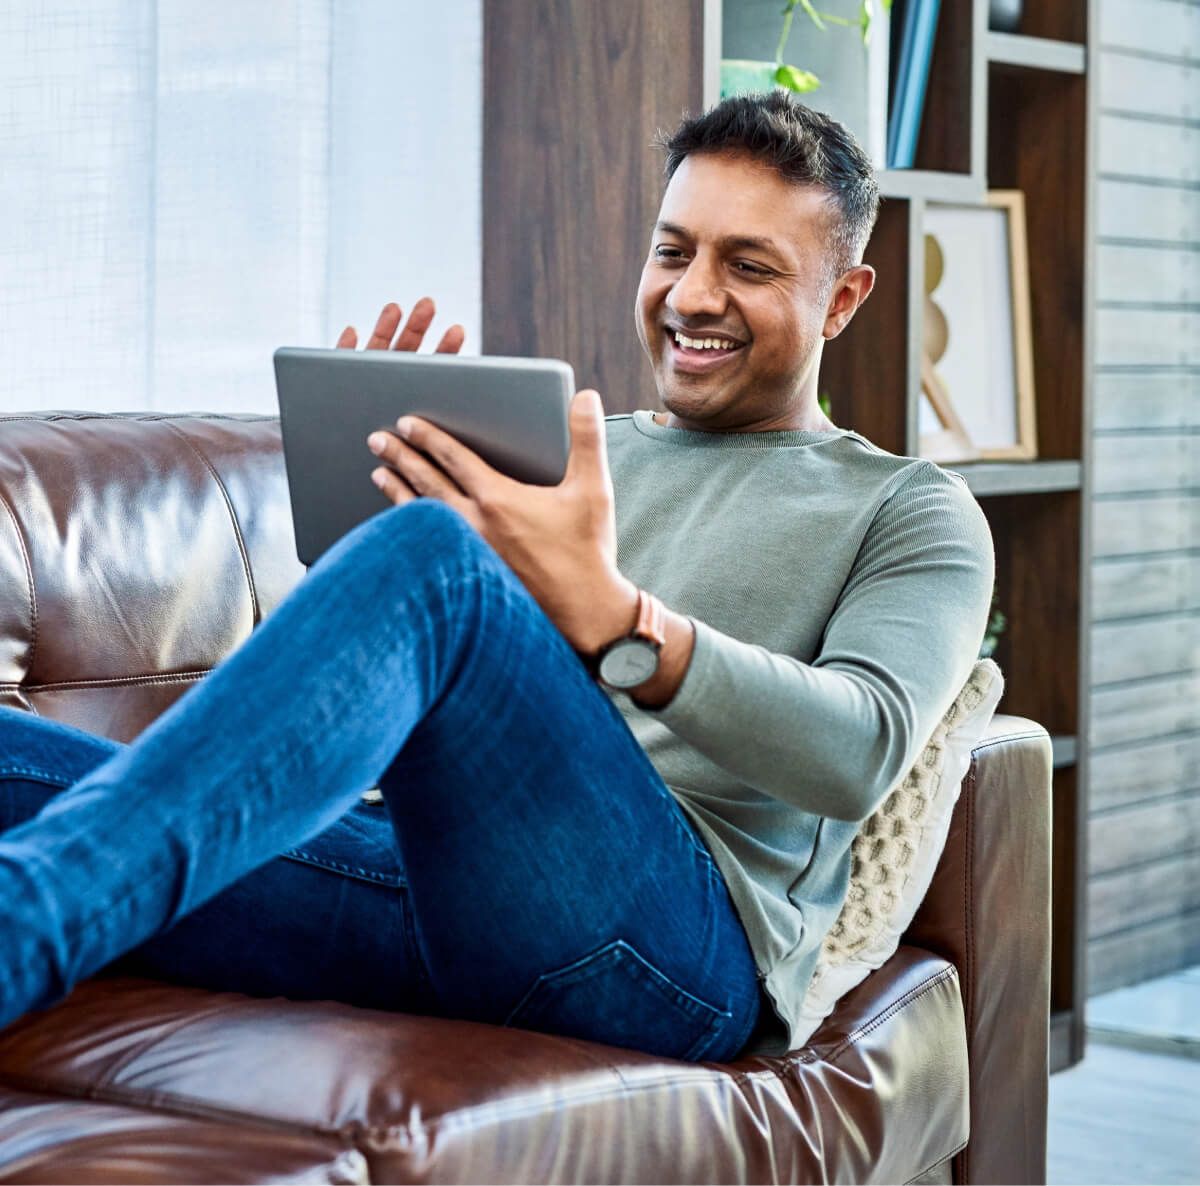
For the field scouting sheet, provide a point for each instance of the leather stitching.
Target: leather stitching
(1008, 739)
(237, 527)
(863, 1030)
(23, 544)
(940, 1161)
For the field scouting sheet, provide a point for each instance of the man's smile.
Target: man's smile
(700, 352)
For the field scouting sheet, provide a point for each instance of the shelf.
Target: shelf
(1064, 749)
(1020, 477)
(1036, 53)
(930, 186)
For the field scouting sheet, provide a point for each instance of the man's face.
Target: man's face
(738, 256)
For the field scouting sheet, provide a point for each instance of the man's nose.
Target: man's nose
(698, 291)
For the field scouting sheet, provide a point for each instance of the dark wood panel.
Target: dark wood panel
(864, 371)
(1037, 580)
(1069, 886)
(1037, 144)
(944, 140)
(573, 93)
(1063, 20)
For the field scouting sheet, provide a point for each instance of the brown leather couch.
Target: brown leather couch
(136, 551)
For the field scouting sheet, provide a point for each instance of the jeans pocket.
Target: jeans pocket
(615, 996)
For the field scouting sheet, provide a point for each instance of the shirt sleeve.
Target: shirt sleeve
(834, 735)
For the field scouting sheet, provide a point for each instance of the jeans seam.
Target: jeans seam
(302, 856)
(35, 774)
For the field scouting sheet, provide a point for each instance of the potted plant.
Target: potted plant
(850, 72)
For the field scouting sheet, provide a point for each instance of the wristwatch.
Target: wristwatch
(632, 659)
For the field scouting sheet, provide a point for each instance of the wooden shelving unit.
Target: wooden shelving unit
(1009, 111)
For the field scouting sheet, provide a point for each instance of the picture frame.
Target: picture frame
(978, 401)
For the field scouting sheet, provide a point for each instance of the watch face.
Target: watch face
(631, 662)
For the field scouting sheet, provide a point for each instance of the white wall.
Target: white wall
(185, 187)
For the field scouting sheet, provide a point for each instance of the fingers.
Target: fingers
(588, 459)
(411, 336)
(465, 468)
(452, 340)
(416, 472)
(419, 320)
(385, 328)
(394, 488)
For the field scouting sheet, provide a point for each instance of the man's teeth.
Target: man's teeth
(705, 343)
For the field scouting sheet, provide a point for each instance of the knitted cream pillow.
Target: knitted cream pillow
(896, 851)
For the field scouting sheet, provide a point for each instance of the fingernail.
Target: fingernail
(404, 426)
(376, 442)
(378, 477)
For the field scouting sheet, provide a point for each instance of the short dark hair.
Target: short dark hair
(802, 146)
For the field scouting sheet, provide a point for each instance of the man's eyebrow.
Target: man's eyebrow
(729, 242)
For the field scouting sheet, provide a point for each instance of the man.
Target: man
(779, 611)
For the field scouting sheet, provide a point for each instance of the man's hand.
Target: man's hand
(561, 541)
(411, 336)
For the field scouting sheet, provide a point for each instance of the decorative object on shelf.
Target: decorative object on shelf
(851, 72)
(918, 24)
(949, 440)
(985, 365)
(1004, 15)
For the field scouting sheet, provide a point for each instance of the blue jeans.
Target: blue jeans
(529, 866)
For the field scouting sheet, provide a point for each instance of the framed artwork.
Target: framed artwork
(977, 368)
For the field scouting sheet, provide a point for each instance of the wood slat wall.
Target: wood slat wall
(1144, 824)
(574, 91)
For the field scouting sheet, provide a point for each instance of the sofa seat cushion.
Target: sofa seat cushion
(879, 1094)
(44, 1138)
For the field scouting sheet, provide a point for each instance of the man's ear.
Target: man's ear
(849, 291)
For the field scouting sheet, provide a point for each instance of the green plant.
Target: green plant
(997, 624)
(803, 81)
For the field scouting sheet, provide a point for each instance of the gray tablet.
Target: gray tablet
(511, 411)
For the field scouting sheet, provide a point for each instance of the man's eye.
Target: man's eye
(667, 254)
(750, 269)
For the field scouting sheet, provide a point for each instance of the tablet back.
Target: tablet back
(511, 411)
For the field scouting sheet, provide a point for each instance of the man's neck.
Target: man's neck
(810, 421)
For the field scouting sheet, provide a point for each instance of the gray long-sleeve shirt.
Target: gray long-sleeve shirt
(839, 595)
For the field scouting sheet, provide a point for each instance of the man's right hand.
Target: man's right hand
(411, 336)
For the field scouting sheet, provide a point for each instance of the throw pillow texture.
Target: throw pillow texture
(897, 849)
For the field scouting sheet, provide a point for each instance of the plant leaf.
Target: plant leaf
(866, 12)
(800, 81)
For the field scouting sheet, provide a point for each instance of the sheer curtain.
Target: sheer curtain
(185, 187)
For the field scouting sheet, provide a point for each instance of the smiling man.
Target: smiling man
(625, 728)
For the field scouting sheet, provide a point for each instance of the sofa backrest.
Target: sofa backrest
(135, 552)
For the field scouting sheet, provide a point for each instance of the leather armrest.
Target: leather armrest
(988, 912)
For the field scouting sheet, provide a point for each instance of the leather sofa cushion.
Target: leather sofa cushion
(881, 1090)
(48, 1139)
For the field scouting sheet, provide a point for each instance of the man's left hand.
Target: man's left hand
(561, 541)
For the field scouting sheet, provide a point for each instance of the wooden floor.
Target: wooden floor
(1130, 1112)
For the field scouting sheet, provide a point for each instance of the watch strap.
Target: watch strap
(651, 620)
